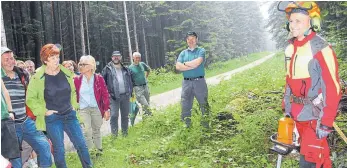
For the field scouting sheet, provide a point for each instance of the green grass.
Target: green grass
(162, 141)
(253, 98)
(161, 81)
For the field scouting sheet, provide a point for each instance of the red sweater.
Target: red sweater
(100, 92)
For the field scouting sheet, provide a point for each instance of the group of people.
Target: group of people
(56, 97)
(38, 106)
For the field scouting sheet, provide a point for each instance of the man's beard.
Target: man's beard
(116, 63)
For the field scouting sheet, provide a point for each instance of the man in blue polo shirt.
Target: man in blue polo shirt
(191, 62)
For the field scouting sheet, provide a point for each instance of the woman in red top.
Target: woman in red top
(92, 95)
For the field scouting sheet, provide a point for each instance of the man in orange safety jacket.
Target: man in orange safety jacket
(312, 90)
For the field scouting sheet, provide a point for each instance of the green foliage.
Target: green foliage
(164, 79)
(335, 28)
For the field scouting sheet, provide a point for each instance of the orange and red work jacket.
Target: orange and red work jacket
(312, 70)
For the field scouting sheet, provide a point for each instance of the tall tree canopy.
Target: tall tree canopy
(225, 29)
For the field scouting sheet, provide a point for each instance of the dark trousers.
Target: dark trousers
(198, 89)
(122, 104)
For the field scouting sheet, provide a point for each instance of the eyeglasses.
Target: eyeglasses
(82, 65)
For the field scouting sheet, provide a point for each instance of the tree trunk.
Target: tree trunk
(86, 17)
(134, 23)
(73, 31)
(165, 47)
(43, 24)
(23, 50)
(60, 32)
(52, 21)
(3, 34)
(14, 28)
(145, 42)
(127, 30)
(37, 43)
(82, 30)
(100, 55)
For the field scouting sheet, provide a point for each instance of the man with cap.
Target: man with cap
(141, 89)
(191, 62)
(312, 90)
(119, 84)
(16, 81)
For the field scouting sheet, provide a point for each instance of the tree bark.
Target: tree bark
(3, 34)
(22, 30)
(86, 17)
(53, 22)
(127, 30)
(73, 31)
(145, 42)
(37, 43)
(99, 57)
(43, 24)
(82, 30)
(60, 32)
(14, 27)
(134, 23)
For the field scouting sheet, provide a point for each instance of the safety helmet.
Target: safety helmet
(307, 7)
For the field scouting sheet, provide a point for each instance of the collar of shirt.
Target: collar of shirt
(192, 49)
(91, 80)
(15, 76)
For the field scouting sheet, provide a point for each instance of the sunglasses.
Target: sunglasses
(83, 65)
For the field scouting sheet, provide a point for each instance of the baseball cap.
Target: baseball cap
(5, 50)
(116, 53)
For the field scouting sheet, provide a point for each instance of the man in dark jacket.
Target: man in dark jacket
(119, 85)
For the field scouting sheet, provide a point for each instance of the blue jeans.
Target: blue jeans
(37, 140)
(55, 126)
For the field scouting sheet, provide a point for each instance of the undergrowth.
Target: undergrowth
(244, 113)
(161, 80)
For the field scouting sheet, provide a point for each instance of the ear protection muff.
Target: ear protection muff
(287, 26)
(315, 24)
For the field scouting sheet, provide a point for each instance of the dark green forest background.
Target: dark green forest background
(155, 29)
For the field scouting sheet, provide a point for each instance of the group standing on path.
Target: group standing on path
(38, 106)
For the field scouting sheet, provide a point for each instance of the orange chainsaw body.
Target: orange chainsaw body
(285, 130)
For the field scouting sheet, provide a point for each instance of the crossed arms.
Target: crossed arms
(189, 65)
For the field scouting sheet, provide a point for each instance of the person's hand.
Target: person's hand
(11, 116)
(107, 115)
(323, 131)
(50, 112)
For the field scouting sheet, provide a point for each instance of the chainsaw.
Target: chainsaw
(284, 139)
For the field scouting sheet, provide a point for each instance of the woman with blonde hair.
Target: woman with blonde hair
(51, 96)
(20, 64)
(93, 98)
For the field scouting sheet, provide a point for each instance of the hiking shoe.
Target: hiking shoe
(99, 152)
(32, 164)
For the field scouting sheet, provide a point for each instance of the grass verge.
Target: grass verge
(161, 81)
